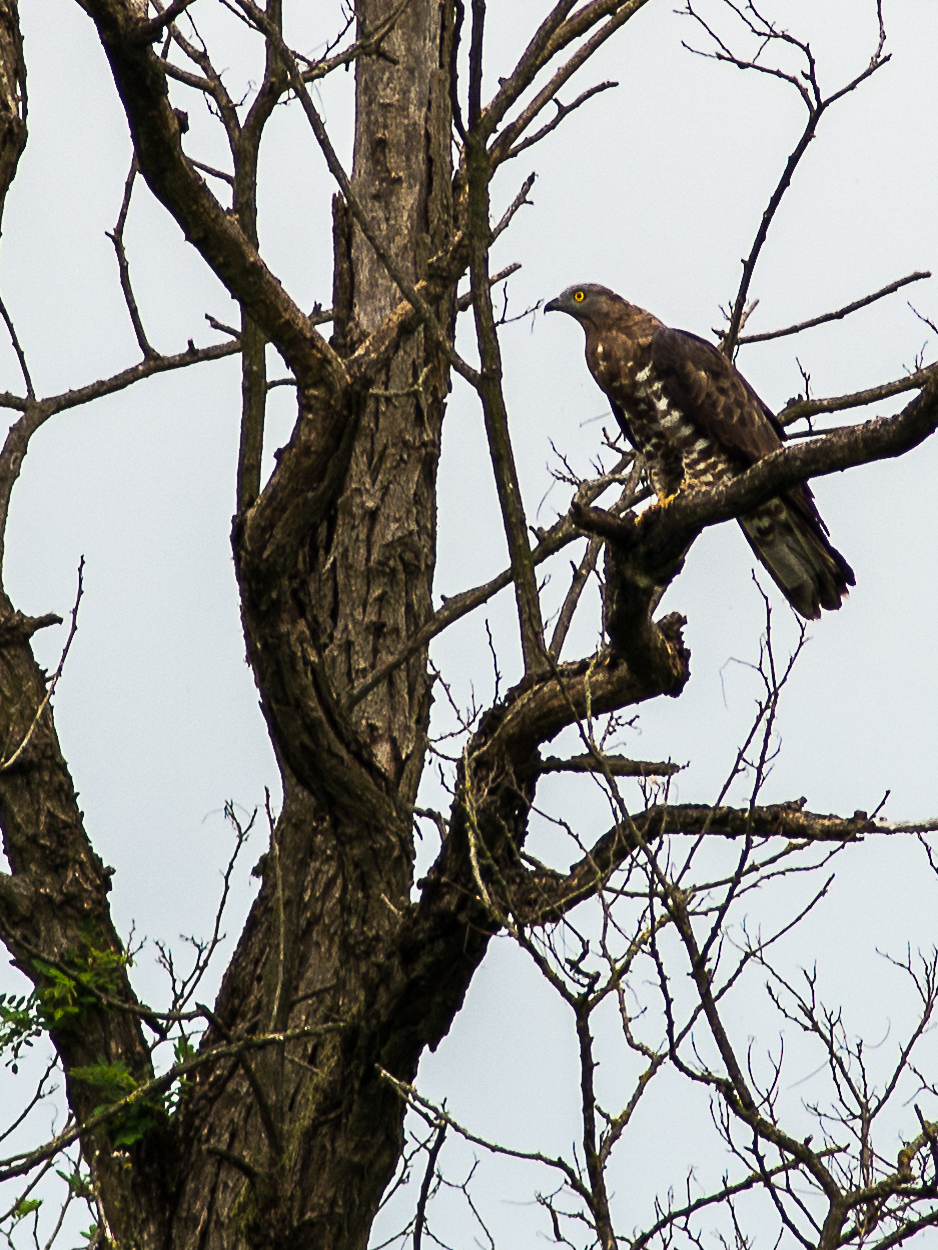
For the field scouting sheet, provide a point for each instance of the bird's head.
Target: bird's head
(585, 301)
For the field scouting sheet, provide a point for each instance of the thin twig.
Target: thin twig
(20, 354)
(563, 110)
(215, 173)
(520, 199)
(25, 1161)
(11, 760)
(465, 301)
(927, 320)
(834, 316)
(437, 1115)
(581, 574)
(117, 238)
(275, 856)
(550, 541)
(46, 408)
(368, 44)
(806, 84)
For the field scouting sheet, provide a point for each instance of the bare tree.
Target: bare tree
(279, 1121)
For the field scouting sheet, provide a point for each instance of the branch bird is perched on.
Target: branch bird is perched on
(697, 421)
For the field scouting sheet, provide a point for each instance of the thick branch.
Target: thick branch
(664, 533)
(217, 236)
(614, 765)
(801, 409)
(543, 897)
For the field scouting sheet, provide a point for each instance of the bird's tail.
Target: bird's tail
(808, 571)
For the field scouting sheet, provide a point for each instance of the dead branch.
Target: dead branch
(617, 14)
(581, 574)
(520, 199)
(544, 896)
(117, 238)
(20, 354)
(838, 315)
(815, 102)
(617, 765)
(491, 393)
(800, 409)
(563, 110)
(436, 1116)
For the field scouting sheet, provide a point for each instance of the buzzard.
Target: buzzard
(697, 421)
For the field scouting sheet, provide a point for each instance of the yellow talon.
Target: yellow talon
(664, 500)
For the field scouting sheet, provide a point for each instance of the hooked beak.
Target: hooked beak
(553, 306)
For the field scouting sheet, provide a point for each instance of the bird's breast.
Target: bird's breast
(678, 453)
(654, 419)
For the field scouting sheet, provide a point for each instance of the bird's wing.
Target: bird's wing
(619, 413)
(712, 393)
(715, 396)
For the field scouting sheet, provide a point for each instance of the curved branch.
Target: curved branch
(218, 237)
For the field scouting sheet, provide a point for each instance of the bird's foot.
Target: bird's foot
(664, 500)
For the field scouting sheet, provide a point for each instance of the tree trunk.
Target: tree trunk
(297, 1152)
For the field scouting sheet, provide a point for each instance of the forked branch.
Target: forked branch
(766, 35)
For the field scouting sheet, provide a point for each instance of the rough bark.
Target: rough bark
(358, 587)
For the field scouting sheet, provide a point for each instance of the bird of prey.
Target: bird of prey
(697, 421)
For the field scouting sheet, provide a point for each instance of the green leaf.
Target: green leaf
(25, 1207)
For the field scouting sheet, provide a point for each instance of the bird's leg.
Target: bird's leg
(668, 475)
(668, 490)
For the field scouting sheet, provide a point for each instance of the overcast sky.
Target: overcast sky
(654, 189)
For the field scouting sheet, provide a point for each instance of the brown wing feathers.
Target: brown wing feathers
(680, 401)
(705, 385)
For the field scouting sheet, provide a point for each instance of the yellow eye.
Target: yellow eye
(578, 297)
